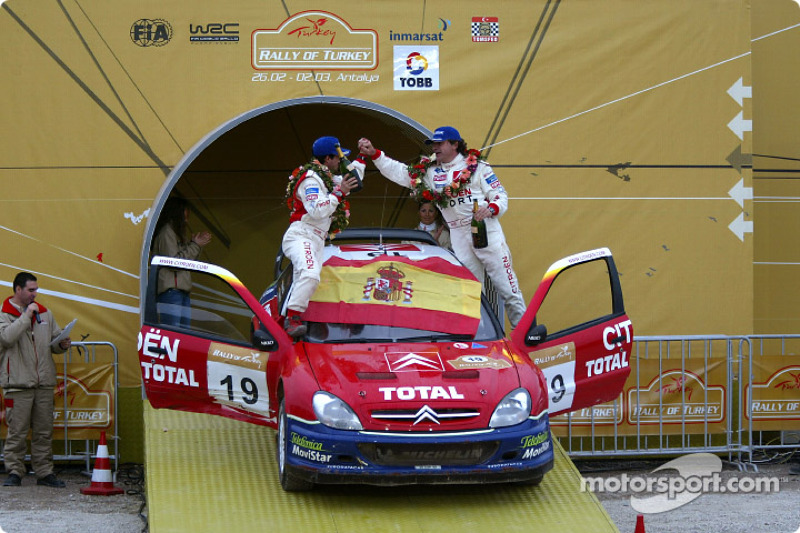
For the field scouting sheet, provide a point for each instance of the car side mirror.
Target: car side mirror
(536, 335)
(263, 341)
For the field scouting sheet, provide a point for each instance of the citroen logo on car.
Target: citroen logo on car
(409, 362)
(426, 412)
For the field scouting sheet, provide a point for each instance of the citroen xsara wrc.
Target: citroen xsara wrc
(405, 374)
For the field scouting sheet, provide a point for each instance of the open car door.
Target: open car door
(212, 351)
(576, 330)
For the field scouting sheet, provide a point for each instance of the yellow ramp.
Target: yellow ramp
(208, 473)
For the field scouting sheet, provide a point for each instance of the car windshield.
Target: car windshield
(325, 332)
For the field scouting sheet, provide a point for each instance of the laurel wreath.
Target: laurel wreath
(422, 193)
(341, 216)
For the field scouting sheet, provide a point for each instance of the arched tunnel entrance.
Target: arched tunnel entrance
(235, 178)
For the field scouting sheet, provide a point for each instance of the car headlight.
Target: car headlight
(334, 413)
(514, 408)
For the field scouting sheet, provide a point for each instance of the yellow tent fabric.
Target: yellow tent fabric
(621, 124)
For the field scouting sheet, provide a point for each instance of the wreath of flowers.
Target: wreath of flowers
(422, 193)
(341, 216)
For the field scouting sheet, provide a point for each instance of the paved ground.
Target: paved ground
(743, 512)
(33, 509)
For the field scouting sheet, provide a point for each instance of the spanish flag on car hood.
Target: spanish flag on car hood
(430, 294)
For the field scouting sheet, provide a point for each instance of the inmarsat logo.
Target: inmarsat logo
(443, 24)
(151, 32)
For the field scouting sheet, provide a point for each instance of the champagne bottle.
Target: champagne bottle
(479, 237)
(347, 169)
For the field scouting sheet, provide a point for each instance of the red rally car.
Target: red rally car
(405, 374)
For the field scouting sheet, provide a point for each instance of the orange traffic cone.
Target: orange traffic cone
(639, 524)
(102, 484)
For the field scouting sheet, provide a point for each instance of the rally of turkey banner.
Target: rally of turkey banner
(83, 403)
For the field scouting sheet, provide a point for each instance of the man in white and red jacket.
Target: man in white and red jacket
(28, 379)
(317, 194)
(446, 167)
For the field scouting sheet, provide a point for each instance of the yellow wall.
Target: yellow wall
(776, 167)
(607, 122)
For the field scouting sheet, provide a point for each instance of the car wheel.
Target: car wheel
(288, 482)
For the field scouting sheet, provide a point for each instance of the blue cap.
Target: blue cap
(327, 146)
(445, 133)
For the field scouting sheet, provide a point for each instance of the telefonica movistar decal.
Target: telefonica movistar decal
(315, 40)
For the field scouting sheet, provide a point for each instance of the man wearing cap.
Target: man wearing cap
(315, 194)
(452, 179)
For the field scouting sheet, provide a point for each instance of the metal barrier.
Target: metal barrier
(82, 449)
(734, 436)
(771, 445)
(644, 433)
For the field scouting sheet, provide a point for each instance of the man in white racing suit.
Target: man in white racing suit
(315, 195)
(478, 182)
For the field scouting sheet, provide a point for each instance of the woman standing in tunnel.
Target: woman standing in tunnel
(174, 286)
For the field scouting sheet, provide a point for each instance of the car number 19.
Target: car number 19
(234, 384)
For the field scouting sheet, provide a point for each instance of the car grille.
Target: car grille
(424, 415)
(424, 454)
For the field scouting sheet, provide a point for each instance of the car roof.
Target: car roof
(385, 234)
(391, 277)
(362, 244)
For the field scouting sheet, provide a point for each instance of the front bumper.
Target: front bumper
(323, 455)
